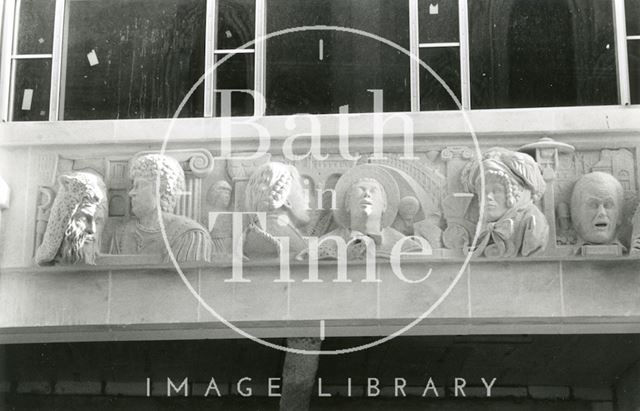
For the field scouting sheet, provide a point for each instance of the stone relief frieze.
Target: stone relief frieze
(544, 199)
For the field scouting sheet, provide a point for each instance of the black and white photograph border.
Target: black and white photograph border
(319, 205)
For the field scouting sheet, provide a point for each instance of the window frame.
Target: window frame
(10, 26)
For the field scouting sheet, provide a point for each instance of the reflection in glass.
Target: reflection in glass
(535, 53)
(634, 70)
(236, 73)
(236, 23)
(438, 21)
(445, 61)
(32, 88)
(632, 12)
(319, 71)
(133, 58)
(35, 32)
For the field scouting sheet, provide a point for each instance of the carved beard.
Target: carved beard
(75, 236)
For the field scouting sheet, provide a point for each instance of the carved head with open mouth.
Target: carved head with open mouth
(596, 205)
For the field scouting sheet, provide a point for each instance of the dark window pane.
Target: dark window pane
(35, 32)
(438, 21)
(235, 73)
(634, 70)
(445, 61)
(32, 89)
(133, 58)
(236, 23)
(632, 10)
(319, 71)
(536, 53)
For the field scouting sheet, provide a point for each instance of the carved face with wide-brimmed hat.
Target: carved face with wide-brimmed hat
(367, 191)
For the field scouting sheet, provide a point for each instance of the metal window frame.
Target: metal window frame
(259, 52)
(463, 47)
(414, 65)
(55, 99)
(465, 74)
(9, 37)
(9, 27)
(436, 45)
(260, 58)
(622, 58)
(211, 27)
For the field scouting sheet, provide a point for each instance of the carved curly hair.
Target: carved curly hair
(276, 176)
(150, 166)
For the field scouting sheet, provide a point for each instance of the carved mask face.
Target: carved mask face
(367, 197)
(408, 209)
(598, 213)
(143, 197)
(224, 196)
(220, 198)
(495, 192)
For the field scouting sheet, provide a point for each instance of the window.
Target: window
(31, 60)
(126, 59)
(320, 71)
(235, 28)
(122, 59)
(632, 8)
(439, 45)
(538, 53)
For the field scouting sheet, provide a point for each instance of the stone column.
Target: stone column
(628, 389)
(299, 374)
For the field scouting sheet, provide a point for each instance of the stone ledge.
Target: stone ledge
(587, 122)
(544, 295)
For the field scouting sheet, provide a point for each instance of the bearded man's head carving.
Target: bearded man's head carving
(76, 220)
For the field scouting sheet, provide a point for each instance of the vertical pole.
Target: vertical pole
(209, 58)
(465, 82)
(6, 50)
(622, 59)
(56, 61)
(260, 62)
(414, 66)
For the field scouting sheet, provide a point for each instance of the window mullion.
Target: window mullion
(56, 61)
(622, 62)
(260, 63)
(8, 35)
(414, 64)
(465, 83)
(209, 59)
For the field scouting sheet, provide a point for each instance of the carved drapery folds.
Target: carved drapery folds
(543, 199)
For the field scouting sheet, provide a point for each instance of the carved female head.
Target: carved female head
(272, 186)
(145, 171)
(511, 178)
(596, 207)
